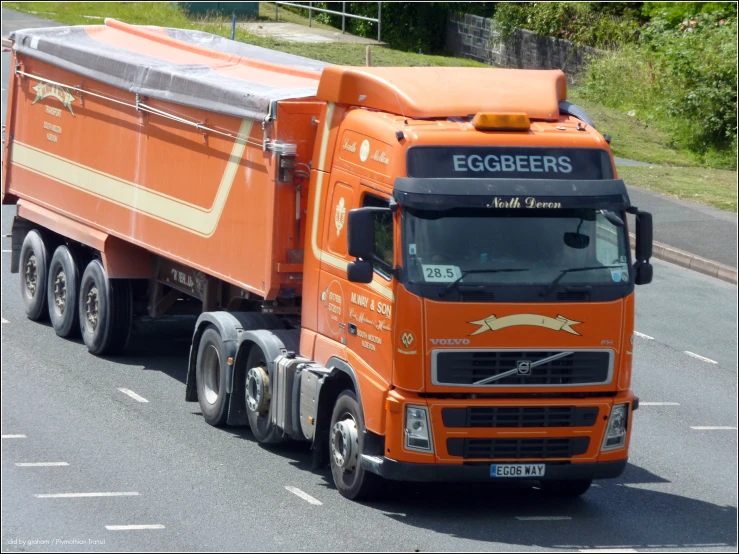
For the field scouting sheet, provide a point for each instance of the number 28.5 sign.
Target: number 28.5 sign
(441, 273)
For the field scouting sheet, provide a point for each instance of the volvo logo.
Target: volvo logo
(523, 367)
(450, 342)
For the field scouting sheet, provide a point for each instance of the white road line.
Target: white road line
(714, 428)
(543, 518)
(8, 251)
(643, 336)
(659, 403)
(41, 464)
(701, 358)
(14, 436)
(85, 494)
(133, 395)
(4, 320)
(133, 527)
(304, 495)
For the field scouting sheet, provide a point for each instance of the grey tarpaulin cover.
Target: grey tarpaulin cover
(168, 64)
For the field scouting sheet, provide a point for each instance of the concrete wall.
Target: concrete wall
(480, 38)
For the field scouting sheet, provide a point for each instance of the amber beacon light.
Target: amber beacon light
(501, 121)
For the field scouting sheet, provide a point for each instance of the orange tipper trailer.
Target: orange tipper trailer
(424, 272)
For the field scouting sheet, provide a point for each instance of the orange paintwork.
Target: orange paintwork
(262, 223)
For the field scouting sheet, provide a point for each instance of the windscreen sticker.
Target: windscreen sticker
(440, 273)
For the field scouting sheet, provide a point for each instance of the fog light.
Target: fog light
(616, 431)
(417, 429)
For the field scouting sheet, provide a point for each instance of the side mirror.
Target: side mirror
(361, 232)
(359, 272)
(643, 244)
(577, 240)
(643, 248)
(644, 272)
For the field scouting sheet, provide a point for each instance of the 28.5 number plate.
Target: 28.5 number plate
(531, 471)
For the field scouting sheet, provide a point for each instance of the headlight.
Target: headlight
(417, 429)
(616, 431)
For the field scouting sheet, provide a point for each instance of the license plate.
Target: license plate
(517, 470)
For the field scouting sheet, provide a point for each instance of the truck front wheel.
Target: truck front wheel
(105, 310)
(34, 271)
(346, 440)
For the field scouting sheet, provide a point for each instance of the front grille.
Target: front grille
(544, 416)
(518, 448)
(467, 367)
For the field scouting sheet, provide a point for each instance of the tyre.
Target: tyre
(345, 450)
(105, 310)
(259, 405)
(62, 288)
(34, 271)
(210, 372)
(566, 489)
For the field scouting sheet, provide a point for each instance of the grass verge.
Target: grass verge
(712, 187)
(633, 138)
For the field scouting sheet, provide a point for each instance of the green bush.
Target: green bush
(682, 76)
(574, 21)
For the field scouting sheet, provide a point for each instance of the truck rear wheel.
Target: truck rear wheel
(345, 450)
(62, 290)
(34, 271)
(105, 310)
(210, 371)
(258, 403)
(566, 489)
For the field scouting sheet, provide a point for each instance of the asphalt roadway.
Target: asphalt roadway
(194, 487)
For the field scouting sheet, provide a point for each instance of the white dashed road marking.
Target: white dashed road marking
(304, 495)
(133, 527)
(14, 436)
(659, 403)
(85, 494)
(133, 395)
(5, 320)
(643, 336)
(7, 251)
(42, 464)
(543, 518)
(714, 428)
(701, 358)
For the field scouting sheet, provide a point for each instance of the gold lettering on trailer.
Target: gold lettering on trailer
(51, 137)
(56, 112)
(51, 127)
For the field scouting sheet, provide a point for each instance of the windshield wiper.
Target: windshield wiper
(572, 270)
(451, 285)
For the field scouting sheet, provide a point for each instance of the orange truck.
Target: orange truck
(424, 272)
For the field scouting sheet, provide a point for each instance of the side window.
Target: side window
(383, 234)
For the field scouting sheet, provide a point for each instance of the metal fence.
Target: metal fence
(343, 13)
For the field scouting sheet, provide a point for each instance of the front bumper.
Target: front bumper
(403, 471)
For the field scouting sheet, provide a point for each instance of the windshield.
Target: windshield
(513, 246)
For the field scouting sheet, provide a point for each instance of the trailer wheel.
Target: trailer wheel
(105, 310)
(34, 271)
(210, 374)
(259, 405)
(566, 489)
(345, 450)
(62, 291)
